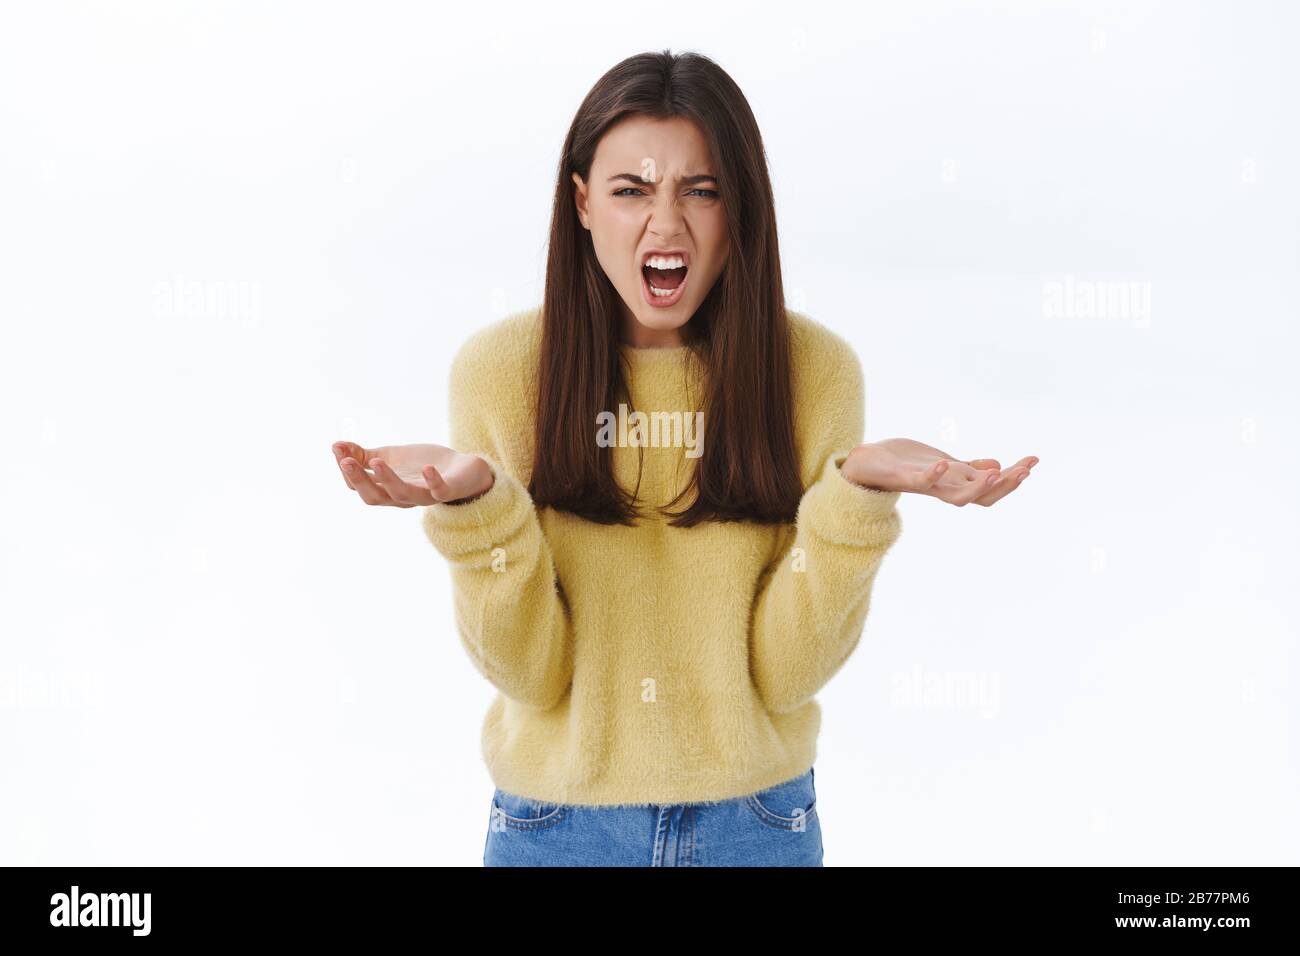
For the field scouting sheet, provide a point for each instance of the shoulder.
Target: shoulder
(823, 363)
(492, 389)
(502, 351)
(827, 392)
(819, 355)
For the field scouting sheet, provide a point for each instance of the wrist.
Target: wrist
(848, 475)
(475, 497)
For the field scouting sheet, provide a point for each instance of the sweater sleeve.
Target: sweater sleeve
(812, 602)
(510, 613)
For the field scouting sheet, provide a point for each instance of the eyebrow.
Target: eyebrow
(685, 180)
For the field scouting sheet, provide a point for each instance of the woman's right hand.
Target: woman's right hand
(405, 476)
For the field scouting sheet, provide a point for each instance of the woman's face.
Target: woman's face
(652, 194)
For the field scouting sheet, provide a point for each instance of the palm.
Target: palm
(901, 464)
(405, 476)
(408, 461)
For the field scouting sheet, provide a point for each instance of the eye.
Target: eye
(632, 190)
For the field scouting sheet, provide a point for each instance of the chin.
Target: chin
(662, 323)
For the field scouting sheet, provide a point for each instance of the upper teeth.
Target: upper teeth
(665, 262)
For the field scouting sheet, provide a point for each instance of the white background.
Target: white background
(233, 233)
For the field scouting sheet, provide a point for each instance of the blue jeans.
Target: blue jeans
(778, 826)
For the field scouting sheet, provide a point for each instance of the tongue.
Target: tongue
(666, 278)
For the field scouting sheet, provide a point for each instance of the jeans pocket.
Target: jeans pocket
(513, 812)
(790, 805)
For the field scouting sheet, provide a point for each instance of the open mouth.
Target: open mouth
(663, 279)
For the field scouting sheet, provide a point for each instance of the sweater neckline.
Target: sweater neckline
(653, 363)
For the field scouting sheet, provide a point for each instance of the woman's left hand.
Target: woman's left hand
(900, 464)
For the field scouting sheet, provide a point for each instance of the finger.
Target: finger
(965, 488)
(977, 487)
(345, 449)
(985, 463)
(960, 472)
(402, 492)
(1009, 482)
(1025, 464)
(956, 480)
(438, 487)
(370, 493)
(350, 449)
(344, 472)
(929, 475)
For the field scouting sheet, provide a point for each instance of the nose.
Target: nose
(665, 219)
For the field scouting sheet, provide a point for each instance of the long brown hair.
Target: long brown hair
(748, 469)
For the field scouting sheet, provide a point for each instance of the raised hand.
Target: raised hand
(900, 464)
(404, 476)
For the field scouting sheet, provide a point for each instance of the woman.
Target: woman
(657, 669)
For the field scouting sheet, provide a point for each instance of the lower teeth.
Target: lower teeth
(658, 292)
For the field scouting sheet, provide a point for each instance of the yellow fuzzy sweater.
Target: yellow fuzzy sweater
(655, 665)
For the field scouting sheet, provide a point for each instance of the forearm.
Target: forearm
(810, 612)
(511, 617)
